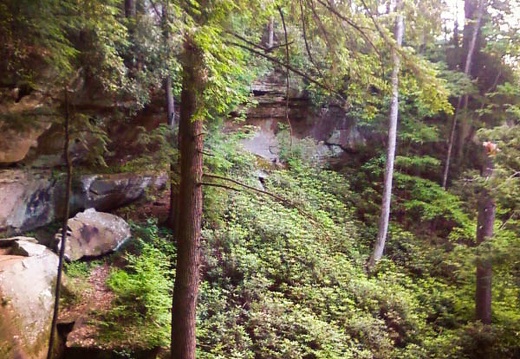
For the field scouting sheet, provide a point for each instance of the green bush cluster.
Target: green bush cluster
(283, 275)
(284, 279)
(140, 316)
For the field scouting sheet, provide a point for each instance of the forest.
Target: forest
(302, 179)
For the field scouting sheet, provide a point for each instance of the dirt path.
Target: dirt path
(95, 298)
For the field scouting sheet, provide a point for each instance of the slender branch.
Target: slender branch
(276, 197)
(363, 34)
(358, 28)
(155, 9)
(307, 47)
(514, 175)
(219, 186)
(280, 63)
(207, 153)
(259, 46)
(450, 142)
(462, 99)
(320, 24)
(61, 257)
(515, 212)
(209, 175)
(376, 24)
(491, 88)
(276, 46)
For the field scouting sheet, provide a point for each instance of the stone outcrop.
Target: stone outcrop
(26, 200)
(330, 127)
(26, 297)
(16, 143)
(106, 192)
(32, 199)
(22, 123)
(91, 233)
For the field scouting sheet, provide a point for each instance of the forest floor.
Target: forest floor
(92, 298)
(89, 297)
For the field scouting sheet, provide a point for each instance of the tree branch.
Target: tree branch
(219, 185)
(247, 186)
(320, 24)
(352, 24)
(307, 47)
(280, 63)
(276, 197)
(512, 216)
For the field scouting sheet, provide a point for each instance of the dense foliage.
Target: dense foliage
(284, 277)
(284, 247)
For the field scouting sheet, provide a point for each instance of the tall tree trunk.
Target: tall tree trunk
(270, 33)
(485, 222)
(130, 8)
(170, 102)
(64, 227)
(392, 139)
(188, 229)
(170, 119)
(463, 100)
(167, 81)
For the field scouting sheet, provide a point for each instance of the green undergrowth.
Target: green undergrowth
(142, 282)
(285, 278)
(283, 274)
(76, 281)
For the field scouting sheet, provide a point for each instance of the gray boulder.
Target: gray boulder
(26, 299)
(91, 233)
(106, 192)
(26, 200)
(27, 249)
(32, 199)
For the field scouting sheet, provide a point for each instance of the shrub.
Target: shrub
(141, 315)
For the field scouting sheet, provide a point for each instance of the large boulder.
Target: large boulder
(91, 233)
(26, 297)
(26, 200)
(110, 191)
(16, 143)
(32, 199)
(21, 124)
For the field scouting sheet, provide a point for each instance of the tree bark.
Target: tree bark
(130, 8)
(170, 102)
(270, 33)
(463, 100)
(64, 227)
(392, 140)
(170, 120)
(485, 222)
(188, 229)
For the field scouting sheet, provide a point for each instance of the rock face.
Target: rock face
(22, 125)
(26, 200)
(30, 200)
(93, 233)
(26, 298)
(330, 127)
(15, 144)
(106, 192)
